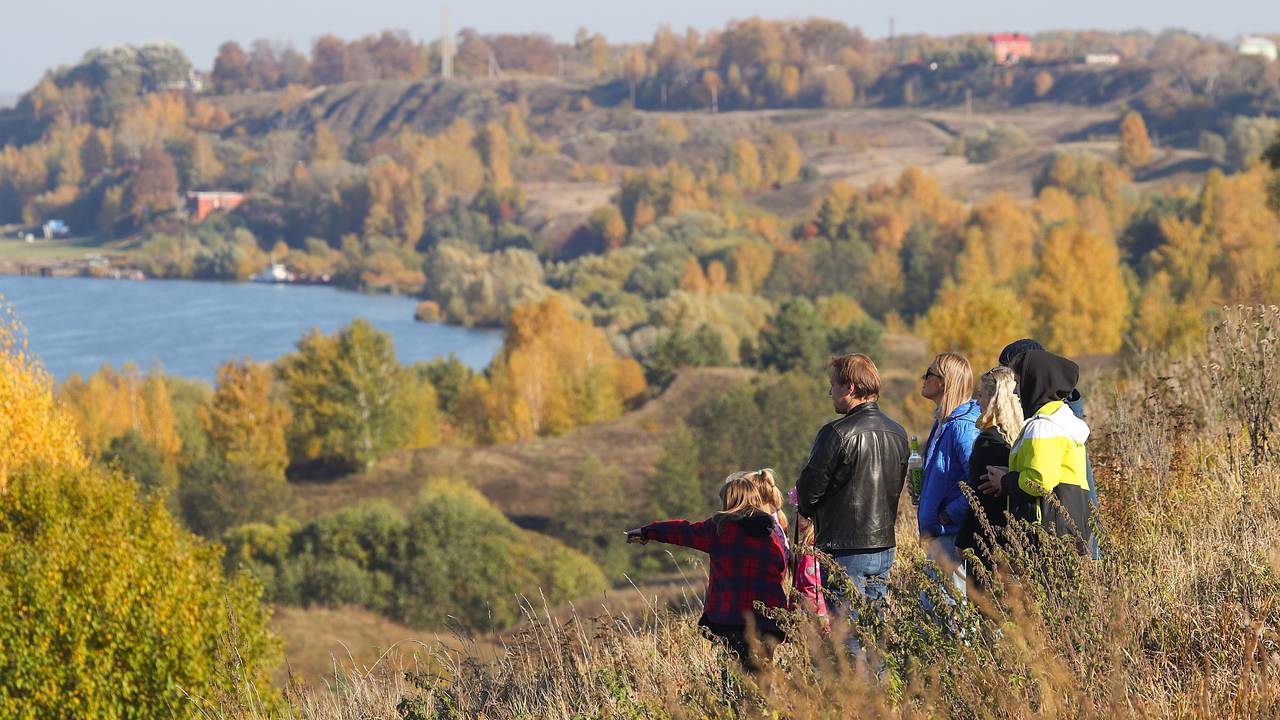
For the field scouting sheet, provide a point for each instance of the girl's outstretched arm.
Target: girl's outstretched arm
(698, 536)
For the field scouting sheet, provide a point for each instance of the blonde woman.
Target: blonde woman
(949, 384)
(999, 423)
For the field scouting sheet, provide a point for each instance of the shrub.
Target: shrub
(990, 143)
(119, 612)
(453, 555)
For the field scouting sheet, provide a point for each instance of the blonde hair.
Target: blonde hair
(1002, 410)
(957, 382)
(804, 531)
(766, 482)
(740, 495)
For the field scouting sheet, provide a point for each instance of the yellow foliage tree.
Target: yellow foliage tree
(1000, 242)
(1078, 297)
(1135, 144)
(554, 372)
(495, 149)
(113, 402)
(245, 424)
(744, 163)
(33, 428)
(975, 320)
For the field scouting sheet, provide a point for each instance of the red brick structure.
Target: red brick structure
(201, 203)
(1009, 48)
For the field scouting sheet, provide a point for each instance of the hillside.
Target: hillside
(522, 478)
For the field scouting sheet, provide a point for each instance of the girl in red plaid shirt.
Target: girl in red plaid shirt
(749, 560)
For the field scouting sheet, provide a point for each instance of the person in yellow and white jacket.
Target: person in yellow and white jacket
(1048, 458)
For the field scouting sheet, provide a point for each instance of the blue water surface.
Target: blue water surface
(76, 324)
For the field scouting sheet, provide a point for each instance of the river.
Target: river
(76, 324)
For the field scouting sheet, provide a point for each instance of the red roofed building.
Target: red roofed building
(201, 203)
(1009, 48)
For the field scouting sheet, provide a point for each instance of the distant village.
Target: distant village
(1007, 48)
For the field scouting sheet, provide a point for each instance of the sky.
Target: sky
(42, 34)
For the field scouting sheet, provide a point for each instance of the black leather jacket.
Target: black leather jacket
(851, 484)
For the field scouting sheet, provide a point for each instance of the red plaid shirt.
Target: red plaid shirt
(746, 564)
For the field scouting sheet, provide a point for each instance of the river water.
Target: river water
(76, 324)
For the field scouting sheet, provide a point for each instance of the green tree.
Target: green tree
(344, 394)
(703, 347)
(795, 338)
(593, 510)
(465, 559)
(215, 494)
(119, 612)
(675, 489)
(139, 459)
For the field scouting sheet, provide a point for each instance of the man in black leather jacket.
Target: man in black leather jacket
(853, 479)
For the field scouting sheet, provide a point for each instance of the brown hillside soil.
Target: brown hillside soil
(522, 478)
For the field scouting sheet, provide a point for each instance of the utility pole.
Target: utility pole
(447, 50)
(893, 49)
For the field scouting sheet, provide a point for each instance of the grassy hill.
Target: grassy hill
(522, 478)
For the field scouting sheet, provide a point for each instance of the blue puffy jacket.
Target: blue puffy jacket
(946, 465)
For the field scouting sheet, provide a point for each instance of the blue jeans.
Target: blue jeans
(868, 571)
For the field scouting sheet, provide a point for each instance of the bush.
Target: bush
(452, 556)
(215, 494)
(1249, 139)
(119, 612)
(990, 143)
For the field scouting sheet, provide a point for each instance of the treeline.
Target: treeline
(225, 456)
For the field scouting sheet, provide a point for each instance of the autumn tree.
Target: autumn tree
(837, 89)
(711, 86)
(397, 203)
(344, 392)
(155, 183)
(744, 163)
(1078, 299)
(96, 153)
(34, 429)
(633, 69)
(495, 150)
(110, 403)
(1042, 83)
(87, 546)
(244, 422)
(555, 372)
(1135, 145)
(329, 60)
(607, 224)
(975, 320)
(230, 69)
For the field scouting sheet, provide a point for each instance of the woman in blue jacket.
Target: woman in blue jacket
(949, 384)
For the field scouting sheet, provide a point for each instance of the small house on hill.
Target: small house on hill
(1009, 48)
(201, 203)
(1258, 47)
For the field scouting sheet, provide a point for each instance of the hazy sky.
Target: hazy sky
(39, 34)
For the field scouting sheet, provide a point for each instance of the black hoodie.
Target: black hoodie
(1042, 378)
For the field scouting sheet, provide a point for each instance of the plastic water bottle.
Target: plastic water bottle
(915, 471)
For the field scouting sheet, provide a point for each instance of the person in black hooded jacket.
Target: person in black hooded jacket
(1048, 458)
(1076, 402)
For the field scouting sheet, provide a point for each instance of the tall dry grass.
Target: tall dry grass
(1178, 620)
